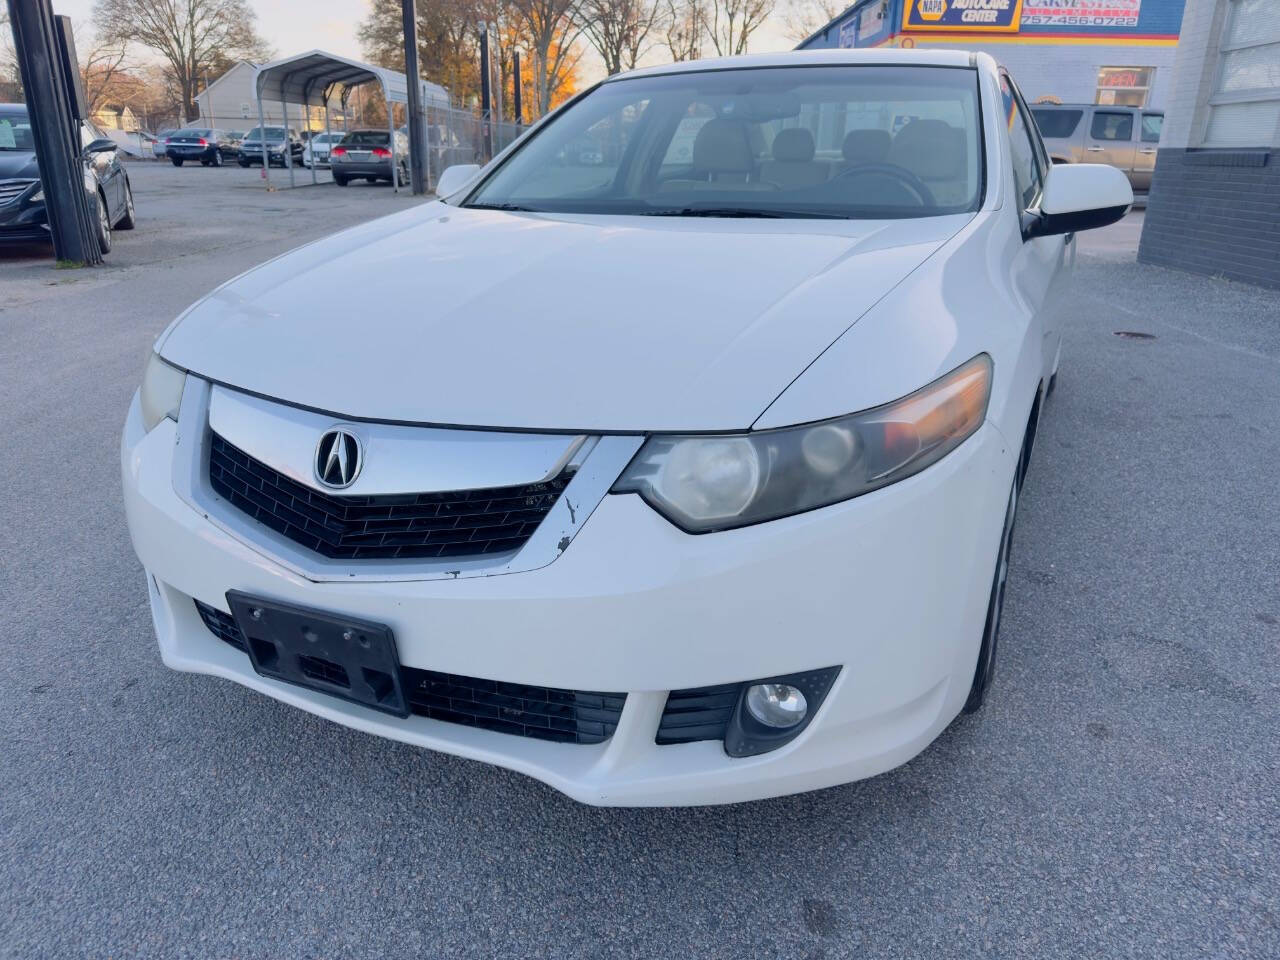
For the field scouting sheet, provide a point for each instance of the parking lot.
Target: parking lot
(1119, 796)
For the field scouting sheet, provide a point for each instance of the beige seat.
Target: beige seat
(865, 146)
(722, 160)
(793, 166)
(935, 152)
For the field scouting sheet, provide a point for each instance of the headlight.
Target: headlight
(161, 392)
(37, 197)
(718, 482)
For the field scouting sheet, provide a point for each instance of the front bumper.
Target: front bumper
(22, 222)
(891, 586)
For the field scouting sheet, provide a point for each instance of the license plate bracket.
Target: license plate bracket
(345, 657)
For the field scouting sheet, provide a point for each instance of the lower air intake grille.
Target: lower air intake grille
(544, 713)
(460, 523)
(698, 713)
(222, 625)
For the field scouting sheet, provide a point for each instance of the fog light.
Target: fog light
(776, 705)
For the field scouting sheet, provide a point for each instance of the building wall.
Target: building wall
(1212, 211)
(1047, 60)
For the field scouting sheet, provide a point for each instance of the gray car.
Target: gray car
(1124, 137)
(367, 154)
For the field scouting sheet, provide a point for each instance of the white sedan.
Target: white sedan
(685, 475)
(316, 150)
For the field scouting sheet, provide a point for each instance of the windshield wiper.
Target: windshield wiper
(740, 212)
(500, 206)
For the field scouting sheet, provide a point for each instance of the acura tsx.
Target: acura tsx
(671, 458)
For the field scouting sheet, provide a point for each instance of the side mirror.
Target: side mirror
(101, 146)
(1079, 196)
(455, 178)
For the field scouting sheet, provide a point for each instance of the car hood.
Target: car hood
(18, 164)
(487, 318)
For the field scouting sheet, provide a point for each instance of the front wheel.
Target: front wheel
(127, 222)
(243, 163)
(104, 225)
(985, 671)
(340, 181)
(217, 158)
(177, 161)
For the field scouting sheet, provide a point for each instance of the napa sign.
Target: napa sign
(962, 16)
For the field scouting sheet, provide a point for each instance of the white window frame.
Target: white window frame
(1255, 95)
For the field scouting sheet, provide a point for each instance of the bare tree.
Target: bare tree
(729, 23)
(10, 76)
(102, 71)
(619, 29)
(803, 18)
(189, 34)
(552, 32)
(683, 21)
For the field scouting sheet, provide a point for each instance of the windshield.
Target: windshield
(15, 133)
(273, 133)
(846, 141)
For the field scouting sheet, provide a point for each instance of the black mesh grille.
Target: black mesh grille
(223, 625)
(545, 713)
(413, 526)
(698, 713)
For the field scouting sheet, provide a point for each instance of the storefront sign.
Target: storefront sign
(963, 16)
(1081, 13)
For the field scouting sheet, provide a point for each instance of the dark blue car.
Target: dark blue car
(23, 218)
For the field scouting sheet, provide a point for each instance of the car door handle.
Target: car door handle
(1094, 149)
(1146, 151)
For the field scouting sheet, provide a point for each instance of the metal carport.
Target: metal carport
(317, 78)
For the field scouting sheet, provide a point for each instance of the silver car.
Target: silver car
(1124, 137)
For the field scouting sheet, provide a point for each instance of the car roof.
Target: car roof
(809, 58)
(13, 108)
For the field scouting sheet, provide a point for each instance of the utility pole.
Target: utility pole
(55, 108)
(417, 128)
(486, 117)
(516, 105)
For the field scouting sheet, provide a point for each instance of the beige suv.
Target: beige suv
(1125, 137)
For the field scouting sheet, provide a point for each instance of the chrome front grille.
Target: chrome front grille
(10, 190)
(459, 523)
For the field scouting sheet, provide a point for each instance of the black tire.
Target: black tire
(340, 181)
(104, 225)
(985, 671)
(243, 163)
(217, 158)
(129, 220)
(204, 163)
(371, 179)
(177, 161)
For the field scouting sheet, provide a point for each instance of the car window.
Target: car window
(273, 133)
(1023, 151)
(818, 141)
(369, 138)
(15, 133)
(1057, 123)
(1151, 125)
(1112, 126)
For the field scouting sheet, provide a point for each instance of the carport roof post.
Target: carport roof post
(327, 76)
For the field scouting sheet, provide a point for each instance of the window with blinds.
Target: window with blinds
(1244, 110)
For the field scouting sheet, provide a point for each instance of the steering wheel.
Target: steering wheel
(901, 174)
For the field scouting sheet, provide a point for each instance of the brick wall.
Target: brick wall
(1215, 212)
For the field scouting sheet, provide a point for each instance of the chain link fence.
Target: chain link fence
(456, 136)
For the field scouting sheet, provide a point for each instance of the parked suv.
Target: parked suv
(1124, 137)
(278, 141)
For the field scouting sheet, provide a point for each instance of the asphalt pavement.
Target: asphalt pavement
(1117, 796)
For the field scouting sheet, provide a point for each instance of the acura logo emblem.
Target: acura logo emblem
(338, 459)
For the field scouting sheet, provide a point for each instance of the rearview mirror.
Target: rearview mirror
(1079, 196)
(101, 146)
(455, 178)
